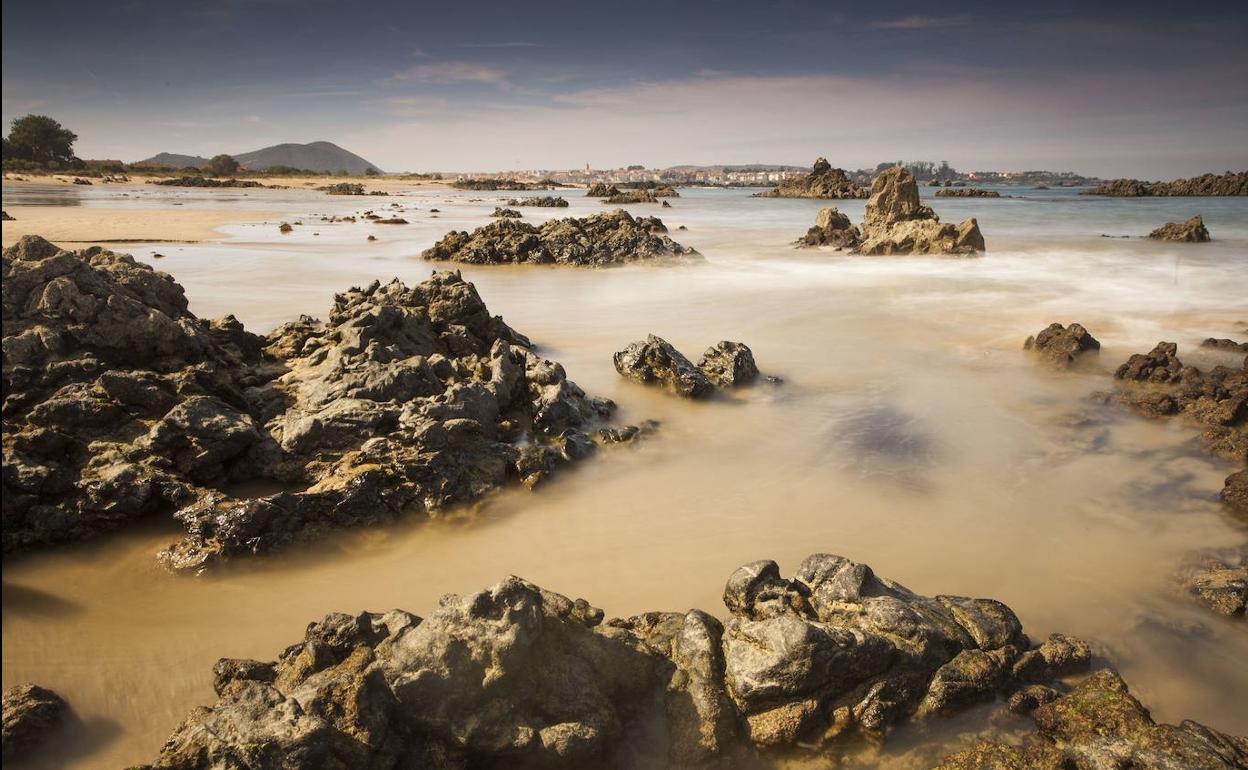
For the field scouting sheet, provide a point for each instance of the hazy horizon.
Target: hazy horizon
(1145, 90)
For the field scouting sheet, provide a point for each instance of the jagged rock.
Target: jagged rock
(632, 196)
(1218, 579)
(502, 213)
(597, 240)
(1191, 231)
(205, 181)
(343, 188)
(654, 361)
(494, 184)
(545, 201)
(832, 228)
(895, 222)
(602, 190)
(519, 676)
(30, 712)
(120, 404)
(823, 181)
(4, 215)
(1230, 183)
(1230, 346)
(1061, 346)
(285, 227)
(728, 364)
(1235, 492)
(967, 192)
(1100, 726)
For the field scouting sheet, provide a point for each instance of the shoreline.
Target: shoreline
(85, 226)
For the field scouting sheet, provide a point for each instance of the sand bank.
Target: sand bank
(89, 225)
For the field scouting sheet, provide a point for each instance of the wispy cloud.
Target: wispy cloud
(920, 22)
(452, 72)
(509, 44)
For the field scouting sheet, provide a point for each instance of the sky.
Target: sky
(1144, 89)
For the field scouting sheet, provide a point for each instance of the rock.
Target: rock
(895, 222)
(1218, 579)
(545, 201)
(4, 215)
(1191, 231)
(343, 188)
(120, 404)
(1027, 699)
(597, 240)
(30, 712)
(516, 675)
(204, 181)
(728, 364)
(655, 362)
(493, 184)
(1060, 346)
(602, 190)
(1230, 346)
(634, 196)
(832, 228)
(1100, 725)
(823, 181)
(1230, 183)
(967, 192)
(80, 180)
(502, 213)
(1235, 492)
(284, 228)
(391, 221)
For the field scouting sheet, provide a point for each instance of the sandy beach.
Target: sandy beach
(103, 226)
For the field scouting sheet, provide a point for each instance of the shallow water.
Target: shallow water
(911, 434)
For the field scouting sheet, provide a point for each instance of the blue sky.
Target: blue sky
(1142, 89)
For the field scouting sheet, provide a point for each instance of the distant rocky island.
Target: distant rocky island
(1228, 184)
(823, 181)
(325, 157)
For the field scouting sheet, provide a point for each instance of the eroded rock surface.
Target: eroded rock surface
(609, 238)
(545, 201)
(30, 712)
(654, 361)
(1218, 579)
(967, 192)
(120, 404)
(1061, 346)
(1230, 183)
(832, 228)
(823, 181)
(728, 364)
(519, 676)
(602, 190)
(1191, 231)
(895, 222)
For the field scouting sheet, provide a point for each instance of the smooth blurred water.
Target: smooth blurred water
(911, 433)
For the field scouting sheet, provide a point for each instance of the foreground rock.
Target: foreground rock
(1218, 579)
(1060, 346)
(895, 222)
(610, 238)
(728, 364)
(120, 404)
(1101, 726)
(544, 201)
(654, 361)
(518, 676)
(967, 192)
(30, 712)
(1230, 183)
(823, 181)
(832, 228)
(1191, 231)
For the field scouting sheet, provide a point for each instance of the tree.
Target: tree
(222, 165)
(40, 139)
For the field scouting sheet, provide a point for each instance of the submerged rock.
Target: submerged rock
(654, 361)
(1218, 579)
(30, 712)
(1230, 346)
(520, 676)
(120, 404)
(609, 238)
(1100, 725)
(545, 201)
(1191, 231)
(728, 364)
(1230, 183)
(823, 181)
(832, 228)
(1061, 346)
(895, 222)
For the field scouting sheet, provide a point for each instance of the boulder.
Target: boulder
(895, 222)
(545, 201)
(654, 361)
(1191, 231)
(1218, 579)
(502, 213)
(1228, 345)
(728, 364)
(30, 712)
(1230, 183)
(1060, 346)
(823, 181)
(832, 228)
(602, 190)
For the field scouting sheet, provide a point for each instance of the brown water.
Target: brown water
(911, 434)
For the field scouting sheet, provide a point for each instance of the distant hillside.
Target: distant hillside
(314, 156)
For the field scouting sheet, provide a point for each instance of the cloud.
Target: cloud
(920, 22)
(511, 44)
(452, 72)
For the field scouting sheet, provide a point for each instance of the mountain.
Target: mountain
(313, 156)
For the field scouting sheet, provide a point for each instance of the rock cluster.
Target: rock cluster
(654, 361)
(657, 189)
(967, 192)
(895, 222)
(1099, 725)
(823, 181)
(30, 712)
(502, 213)
(520, 676)
(493, 184)
(1229, 345)
(205, 181)
(1218, 579)
(631, 196)
(601, 190)
(1230, 183)
(609, 238)
(545, 201)
(1061, 346)
(120, 404)
(348, 188)
(1191, 231)
(832, 228)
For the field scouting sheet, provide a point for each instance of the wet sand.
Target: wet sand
(110, 226)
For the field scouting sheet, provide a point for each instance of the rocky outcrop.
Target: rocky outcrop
(832, 228)
(632, 196)
(493, 184)
(1062, 346)
(602, 190)
(654, 361)
(598, 240)
(205, 181)
(30, 712)
(895, 222)
(544, 201)
(1218, 579)
(967, 192)
(519, 676)
(728, 364)
(1191, 231)
(502, 213)
(120, 404)
(1228, 345)
(4, 215)
(1230, 183)
(1235, 493)
(656, 189)
(342, 188)
(823, 181)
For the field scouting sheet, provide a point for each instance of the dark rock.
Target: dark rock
(343, 188)
(493, 184)
(1235, 492)
(602, 190)
(728, 364)
(1218, 579)
(1061, 346)
(545, 201)
(1191, 231)
(823, 181)
(895, 222)
(391, 221)
(204, 181)
(967, 192)
(4, 215)
(1230, 183)
(633, 196)
(655, 362)
(30, 712)
(1230, 346)
(832, 228)
(285, 227)
(502, 213)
